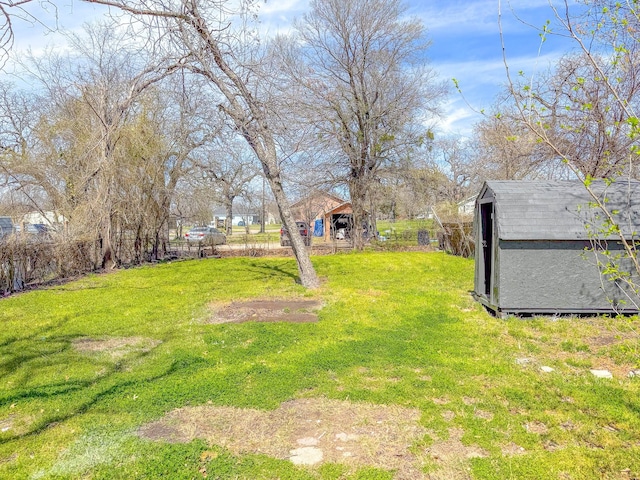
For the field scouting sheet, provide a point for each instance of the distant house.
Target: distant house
(241, 217)
(49, 218)
(467, 206)
(328, 214)
(534, 247)
(315, 205)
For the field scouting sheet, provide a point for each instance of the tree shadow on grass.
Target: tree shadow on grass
(58, 351)
(274, 270)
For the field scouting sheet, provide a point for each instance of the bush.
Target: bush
(28, 259)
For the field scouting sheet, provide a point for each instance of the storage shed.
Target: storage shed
(535, 247)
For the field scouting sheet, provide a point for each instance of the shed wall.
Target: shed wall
(553, 276)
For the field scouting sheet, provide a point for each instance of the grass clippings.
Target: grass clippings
(282, 310)
(355, 434)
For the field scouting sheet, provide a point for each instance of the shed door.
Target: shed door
(486, 215)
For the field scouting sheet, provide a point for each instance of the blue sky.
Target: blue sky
(467, 46)
(465, 37)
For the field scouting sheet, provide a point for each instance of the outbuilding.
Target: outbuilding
(541, 247)
(330, 216)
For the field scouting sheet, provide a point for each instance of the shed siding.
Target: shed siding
(553, 276)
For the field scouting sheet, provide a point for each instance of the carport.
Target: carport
(338, 218)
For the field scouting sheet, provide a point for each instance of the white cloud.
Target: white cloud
(484, 17)
(480, 82)
(276, 7)
(459, 119)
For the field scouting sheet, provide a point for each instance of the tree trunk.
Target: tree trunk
(107, 247)
(372, 223)
(308, 276)
(137, 246)
(229, 221)
(357, 190)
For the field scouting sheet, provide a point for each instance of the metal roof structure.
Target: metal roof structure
(562, 210)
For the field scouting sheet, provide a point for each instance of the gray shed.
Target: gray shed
(535, 247)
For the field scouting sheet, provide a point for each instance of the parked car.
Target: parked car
(207, 235)
(6, 226)
(305, 233)
(37, 229)
(33, 229)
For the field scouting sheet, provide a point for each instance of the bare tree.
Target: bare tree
(18, 116)
(102, 91)
(588, 116)
(361, 72)
(108, 144)
(229, 167)
(505, 149)
(210, 39)
(579, 113)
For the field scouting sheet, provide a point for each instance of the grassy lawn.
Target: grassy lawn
(405, 232)
(88, 367)
(270, 235)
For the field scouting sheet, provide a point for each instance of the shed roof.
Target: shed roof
(561, 210)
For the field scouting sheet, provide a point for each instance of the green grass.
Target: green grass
(405, 232)
(241, 236)
(270, 235)
(395, 329)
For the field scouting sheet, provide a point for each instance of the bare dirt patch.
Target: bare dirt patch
(294, 311)
(485, 415)
(452, 456)
(115, 347)
(582, 344)
(306, 432)
(512, 449)
(551, 446)
(448, 415)
(15, 425)
(6, 424)
(538, 428)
